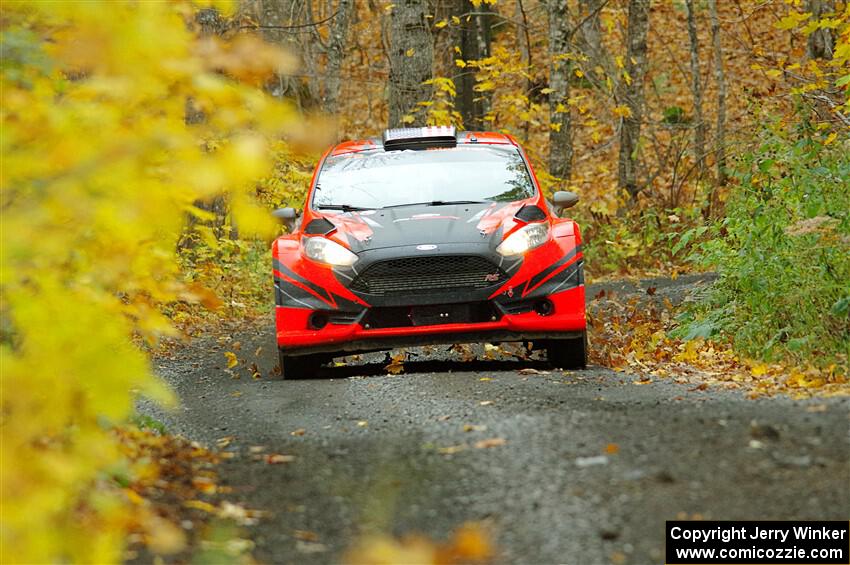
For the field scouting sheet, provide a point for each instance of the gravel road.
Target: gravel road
(585, 467)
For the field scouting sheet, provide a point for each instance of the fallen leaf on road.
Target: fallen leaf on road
(305, 535)
(644, 380)
(591, 461)
(239, 514)
(470, 543)
(485, 379)
(531, 371)
(362, 423)
(298, 432)
(396, 365)
(232, 361)
(492, 442)
(485, 403)
(256, 449)
(255, 371)
(201, 505)
(204, 484)
(309, 547)
(474, 428)
(236, 393)
(163, 537)
(224, 441)
(651, 290)
(277, 458)
(451, 449)
(612, 448)
(817, 408)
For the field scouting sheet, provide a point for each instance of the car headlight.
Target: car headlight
(525, 238)
(324, 250)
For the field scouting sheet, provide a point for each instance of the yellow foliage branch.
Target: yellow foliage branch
(99, 171)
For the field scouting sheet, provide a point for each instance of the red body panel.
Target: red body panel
(293, 332)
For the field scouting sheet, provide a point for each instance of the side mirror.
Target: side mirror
(286, 215)
(564, 199)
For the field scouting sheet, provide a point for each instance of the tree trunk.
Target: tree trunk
(210, 23)
(337, 44)
(821, 42)
(282, 22)
(590, 40)
(720, 79)
(474, 43)
(523, 36)
(468, 52)
(633, 95)
(484, 21)
(560, 119)
(411, 56)
(696, 90)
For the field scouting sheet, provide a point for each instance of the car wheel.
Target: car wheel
(294, 367)
(568, 353)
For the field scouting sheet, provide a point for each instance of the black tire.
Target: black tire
(568, 353)
(293, 367)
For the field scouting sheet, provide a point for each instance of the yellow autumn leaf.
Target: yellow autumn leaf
(792, 20)
(622, 111)
(232, 361)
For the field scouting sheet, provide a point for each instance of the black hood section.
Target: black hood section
(425, 225)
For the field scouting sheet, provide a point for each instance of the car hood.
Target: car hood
(424, 225)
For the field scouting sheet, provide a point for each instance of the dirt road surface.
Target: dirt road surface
(583, 467)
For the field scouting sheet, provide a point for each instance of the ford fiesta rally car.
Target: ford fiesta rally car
(427, 236)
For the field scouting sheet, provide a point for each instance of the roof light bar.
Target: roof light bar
(420, 138)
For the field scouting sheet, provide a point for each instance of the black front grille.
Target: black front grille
(436, 273)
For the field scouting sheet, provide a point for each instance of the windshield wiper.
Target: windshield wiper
(343, 207)
(438, 203)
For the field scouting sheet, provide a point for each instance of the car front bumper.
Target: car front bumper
(297, 334)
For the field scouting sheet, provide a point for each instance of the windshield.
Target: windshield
(378, 179)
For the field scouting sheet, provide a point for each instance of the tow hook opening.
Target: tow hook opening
(544, 307)
(318, 320)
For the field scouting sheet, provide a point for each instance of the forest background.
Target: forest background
(144, 144)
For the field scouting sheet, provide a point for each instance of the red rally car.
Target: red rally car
(427, 236)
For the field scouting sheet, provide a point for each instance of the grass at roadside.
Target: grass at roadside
(635, 331)
(782, 254)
